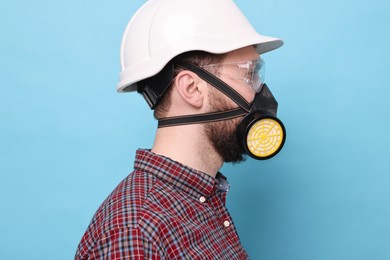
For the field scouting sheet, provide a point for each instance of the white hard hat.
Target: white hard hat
(163, 29)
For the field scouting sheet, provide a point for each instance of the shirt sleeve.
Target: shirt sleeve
(125, 244)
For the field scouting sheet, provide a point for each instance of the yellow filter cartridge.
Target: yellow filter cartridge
(265, 138)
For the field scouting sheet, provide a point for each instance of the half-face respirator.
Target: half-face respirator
(260, 133)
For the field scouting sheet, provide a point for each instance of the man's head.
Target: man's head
(166, 36)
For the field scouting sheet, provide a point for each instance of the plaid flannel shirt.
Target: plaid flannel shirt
(163, 210)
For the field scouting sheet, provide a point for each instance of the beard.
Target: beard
(223, 134)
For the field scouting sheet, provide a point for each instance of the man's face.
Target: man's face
(222, 134)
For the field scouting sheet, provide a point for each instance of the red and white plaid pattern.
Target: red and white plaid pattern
(163, 210)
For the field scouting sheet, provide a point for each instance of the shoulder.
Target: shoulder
(122, 207)
(117, 217)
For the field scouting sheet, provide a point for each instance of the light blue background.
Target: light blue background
(67, 138)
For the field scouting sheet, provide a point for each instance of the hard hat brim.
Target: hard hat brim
(151, 67)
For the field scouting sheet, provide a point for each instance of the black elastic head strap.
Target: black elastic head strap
(201, 118)
(214, 81)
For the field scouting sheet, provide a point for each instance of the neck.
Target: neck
(188, 145)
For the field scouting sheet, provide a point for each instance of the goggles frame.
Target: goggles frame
(251, 72)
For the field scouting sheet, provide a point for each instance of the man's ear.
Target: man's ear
(190, 88)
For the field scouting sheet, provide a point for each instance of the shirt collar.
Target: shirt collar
(177, 174)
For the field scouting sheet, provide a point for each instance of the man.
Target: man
(197, 64)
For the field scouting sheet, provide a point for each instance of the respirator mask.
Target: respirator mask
(260, 133)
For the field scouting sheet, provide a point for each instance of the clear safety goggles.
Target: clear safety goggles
(250, 72)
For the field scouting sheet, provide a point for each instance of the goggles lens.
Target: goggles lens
(251, 72)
